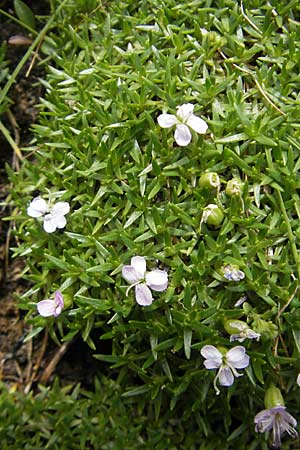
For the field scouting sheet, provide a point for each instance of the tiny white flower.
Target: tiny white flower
(136, 276)
(184, 120)
(53, 216)
(298, 379)
(279, 421)
(51, 307)
(235, 358)
(232, 273)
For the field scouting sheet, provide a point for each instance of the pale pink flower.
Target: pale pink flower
(235, 358)
(53, 216)
(278, 420)
(51, 307)
(136, 275)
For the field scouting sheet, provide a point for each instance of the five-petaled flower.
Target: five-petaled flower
(53, 216)
(136, 275)
(227, 363)
(184, 120)
(51, 307)
(278, 420)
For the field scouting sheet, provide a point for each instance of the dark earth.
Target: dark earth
(24, 365)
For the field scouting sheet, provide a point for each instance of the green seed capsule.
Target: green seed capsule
(273, 397)
(234, 187)
(212, 215)
(210, 181)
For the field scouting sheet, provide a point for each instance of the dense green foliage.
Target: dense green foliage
(132, 191)
(74, 419)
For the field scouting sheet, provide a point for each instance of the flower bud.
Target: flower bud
(234, 326)
(212, 215)
(210, 181)
(273, 397)
(234, 187)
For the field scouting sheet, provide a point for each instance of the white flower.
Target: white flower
(232, 273)
(279, 421)
(298, 379)
(51, 307)
(184, 120)
(235, 358)
(136, 275)
(54, 216)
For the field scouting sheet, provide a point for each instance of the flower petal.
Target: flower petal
(58, 297)
(157, 280)
(237, 275)
(60, 221)
(46, 308)
(37, 208)
(185, 111)
(251, 334)
(288, 419)
(182, 135)
(237, 337)
(139, 264)
(237, 357)
(143, 295)
(130, 274)
(263, 421)
(225, 376)
(197, 124)
(49, 224)
(167, 120)
(212, 363)
(211, 353)
(60, 208)
(298, 379)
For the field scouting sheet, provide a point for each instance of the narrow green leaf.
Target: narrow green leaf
(24, 13)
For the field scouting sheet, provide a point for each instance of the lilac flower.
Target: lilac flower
(51, 307)
(136, 275)
(53, 216)
(184, 120)
(232, 273)
(278, 420)
(227, 363)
